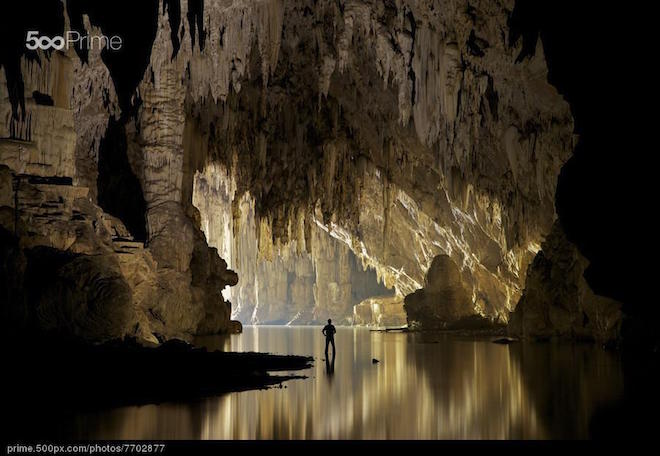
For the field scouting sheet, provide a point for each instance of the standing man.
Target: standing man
(329, 333)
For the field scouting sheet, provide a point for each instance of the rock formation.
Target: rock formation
(597, 190)
(386, 158)
(76, 269)
(71, 267)
(444, 302)
(381, 312)
(301, 282)
(557, 300)
(336, 138)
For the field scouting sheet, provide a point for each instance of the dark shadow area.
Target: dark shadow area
(42, 98)
(330, 366)
(136, 23)
(565, 379)
(53, 378)
(634, 415)
(196, 22)
(119, 190)
(569, 380)
(592, 54)
(16, 18)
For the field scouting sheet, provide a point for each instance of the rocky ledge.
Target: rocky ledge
(121, 372)
(69, 266)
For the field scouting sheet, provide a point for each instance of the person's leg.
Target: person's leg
(334, 350)
(327, 342)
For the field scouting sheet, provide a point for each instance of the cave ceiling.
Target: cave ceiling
(400, 130)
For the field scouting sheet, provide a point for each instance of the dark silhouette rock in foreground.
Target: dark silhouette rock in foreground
(558, 301)
(73, 375)
(77, 270)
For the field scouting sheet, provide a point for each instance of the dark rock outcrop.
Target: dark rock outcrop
(444, 302)
(557, 300)
(89, 377)
(600, 190)
(71, 269)
(80, 295)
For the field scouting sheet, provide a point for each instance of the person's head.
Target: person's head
(329, 321)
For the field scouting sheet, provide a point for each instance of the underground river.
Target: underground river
(423, 387)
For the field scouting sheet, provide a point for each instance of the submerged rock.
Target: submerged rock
(235, 327)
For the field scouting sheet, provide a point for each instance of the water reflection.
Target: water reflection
(443, 388)
(330, 366)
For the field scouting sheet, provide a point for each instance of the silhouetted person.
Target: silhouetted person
(329, 333)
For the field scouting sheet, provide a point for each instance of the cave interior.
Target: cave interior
(360, 161)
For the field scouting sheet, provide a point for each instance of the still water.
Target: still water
(424, 387)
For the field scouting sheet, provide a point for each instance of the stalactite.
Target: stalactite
(307, 278)
(402, 132)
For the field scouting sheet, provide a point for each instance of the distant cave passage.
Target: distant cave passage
(291, 284)
(119, 190)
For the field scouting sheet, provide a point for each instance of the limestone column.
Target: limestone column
(162, 120)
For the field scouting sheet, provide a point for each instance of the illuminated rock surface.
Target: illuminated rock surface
(72, 267)
(382, 312)
(386, 157)
(403, 130)
(444, 302)
(309, 281)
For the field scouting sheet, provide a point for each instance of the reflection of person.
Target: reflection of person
(330, 366)
(329, 333)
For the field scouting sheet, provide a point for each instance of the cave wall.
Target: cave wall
(43, 119)
(558, 301)
(605, 182)
(302, 282)
(402, 129)
(408, 131)
(69, 123)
